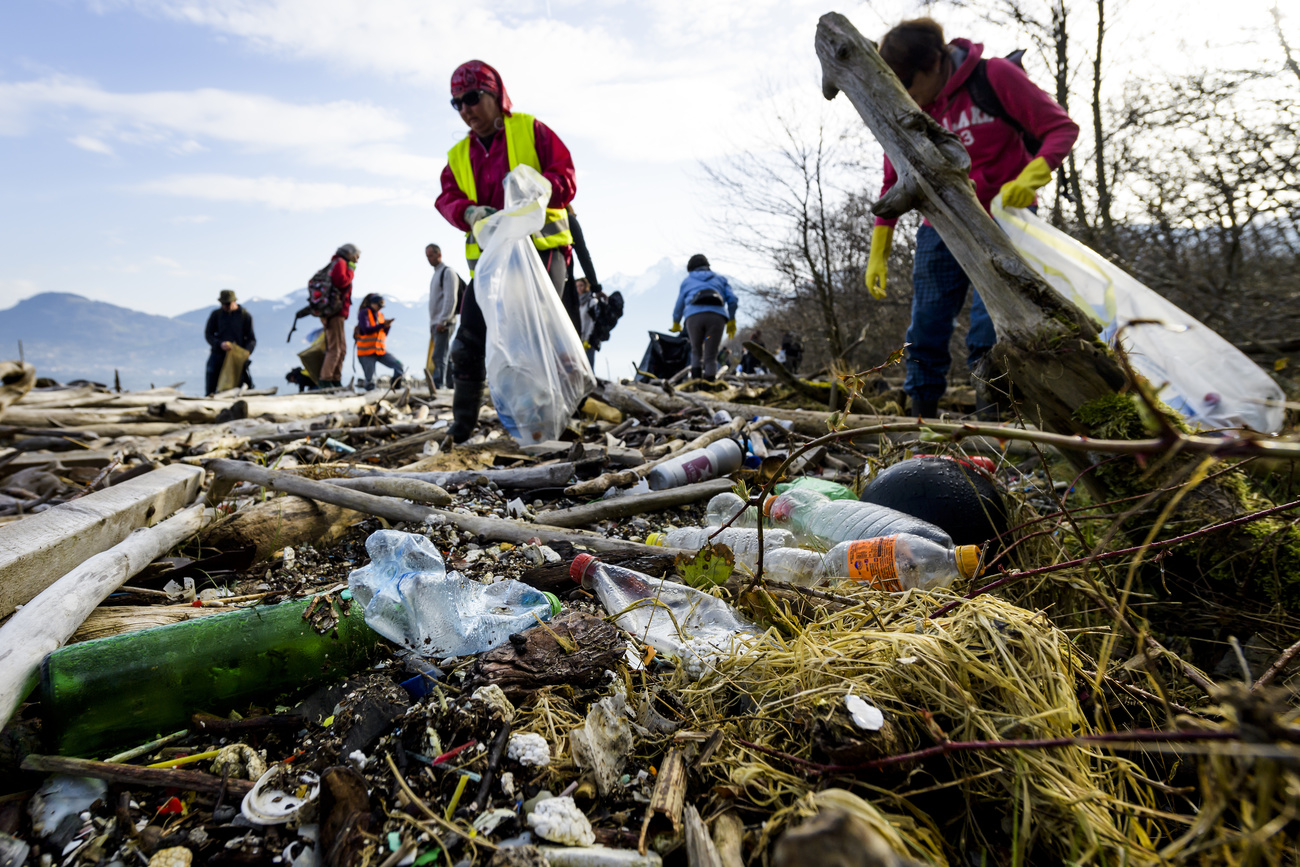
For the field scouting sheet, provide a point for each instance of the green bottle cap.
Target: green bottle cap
(555, 602)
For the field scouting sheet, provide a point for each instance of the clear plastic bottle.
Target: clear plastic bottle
(411, 600)
(822, 523)
(724, 505)
(901, 562)
(672, 618)
(742, 541)
(791, 566)
(716, 459)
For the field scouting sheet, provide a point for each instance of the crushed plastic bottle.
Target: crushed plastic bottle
(742, 541)
(716, 459)
(411, 600)
(901, 562)
(822, 523)
(672, 618)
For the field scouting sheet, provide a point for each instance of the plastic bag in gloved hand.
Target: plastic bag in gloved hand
(536, 367)
(1204, 377)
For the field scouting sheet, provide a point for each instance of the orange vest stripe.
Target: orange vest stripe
(373, 343)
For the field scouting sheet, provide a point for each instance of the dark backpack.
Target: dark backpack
(709, 298)
(606, 315)
(987, 100)
(323, 297)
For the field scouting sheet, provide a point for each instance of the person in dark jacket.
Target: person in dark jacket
(709, 305)
(229, 325)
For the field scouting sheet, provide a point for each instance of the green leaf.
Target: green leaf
(708, 567)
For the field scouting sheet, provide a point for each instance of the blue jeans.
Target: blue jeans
(938, 292)
(368, 367)
(438, 358)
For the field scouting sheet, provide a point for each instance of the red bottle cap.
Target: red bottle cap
(578, 567)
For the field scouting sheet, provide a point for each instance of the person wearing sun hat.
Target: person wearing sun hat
(499, 139)
(229, 325)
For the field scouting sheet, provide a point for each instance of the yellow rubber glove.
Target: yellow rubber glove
(1020, 192)
(731, 329)
(677, 326)
(882, 239)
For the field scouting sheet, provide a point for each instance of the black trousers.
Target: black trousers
(467, 350)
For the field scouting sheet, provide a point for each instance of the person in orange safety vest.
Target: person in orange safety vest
(371, 335)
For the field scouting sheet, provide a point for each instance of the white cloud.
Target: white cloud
(92, 144)
(195, 218)
(182, 119)
(650, 81)
(284, 194)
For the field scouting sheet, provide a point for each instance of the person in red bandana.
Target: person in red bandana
(472, 189)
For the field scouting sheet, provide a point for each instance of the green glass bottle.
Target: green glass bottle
(126, 688)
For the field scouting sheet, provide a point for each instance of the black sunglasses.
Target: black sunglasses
(469, 97)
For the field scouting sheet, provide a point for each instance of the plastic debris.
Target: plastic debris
(560, 821)
(411, 599)
(865, 715)
(604, 741)
(529, 749)
(280, 794)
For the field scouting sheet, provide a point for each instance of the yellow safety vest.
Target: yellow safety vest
(521, 149)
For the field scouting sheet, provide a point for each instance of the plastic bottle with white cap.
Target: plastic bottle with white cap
(716, 459)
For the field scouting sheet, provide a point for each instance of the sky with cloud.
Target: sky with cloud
(160, 150)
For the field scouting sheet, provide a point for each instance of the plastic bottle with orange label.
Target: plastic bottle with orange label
(901, 562)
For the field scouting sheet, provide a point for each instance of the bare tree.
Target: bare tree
(796, 203)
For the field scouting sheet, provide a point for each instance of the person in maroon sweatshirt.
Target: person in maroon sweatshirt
(939, 77)
(479, 96)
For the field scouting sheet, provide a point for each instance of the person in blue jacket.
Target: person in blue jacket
(708, 305)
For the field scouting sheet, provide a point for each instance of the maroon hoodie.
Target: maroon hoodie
(997, 152)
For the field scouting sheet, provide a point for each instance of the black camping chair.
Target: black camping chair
(665, 356)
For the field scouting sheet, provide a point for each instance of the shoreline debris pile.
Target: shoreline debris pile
(196, 596)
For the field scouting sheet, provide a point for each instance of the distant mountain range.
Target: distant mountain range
(69, 337)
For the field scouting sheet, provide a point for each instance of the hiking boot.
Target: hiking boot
(466, 399)
(924, 408)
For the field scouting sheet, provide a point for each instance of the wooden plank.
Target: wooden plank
(40, 549)
(46, 622)
(78, 458)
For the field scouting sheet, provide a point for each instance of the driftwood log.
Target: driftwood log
(16, 381)
(45, 623)
(819, 391)
(500, 529)
(416, 490)
(602, 483)
(636, 504)
(1048, 346)
(510, 479)
(133, 775)
(271, 525)
(573, 649)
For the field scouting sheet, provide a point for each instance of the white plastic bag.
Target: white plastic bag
(1204, 377)
(536, 367)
